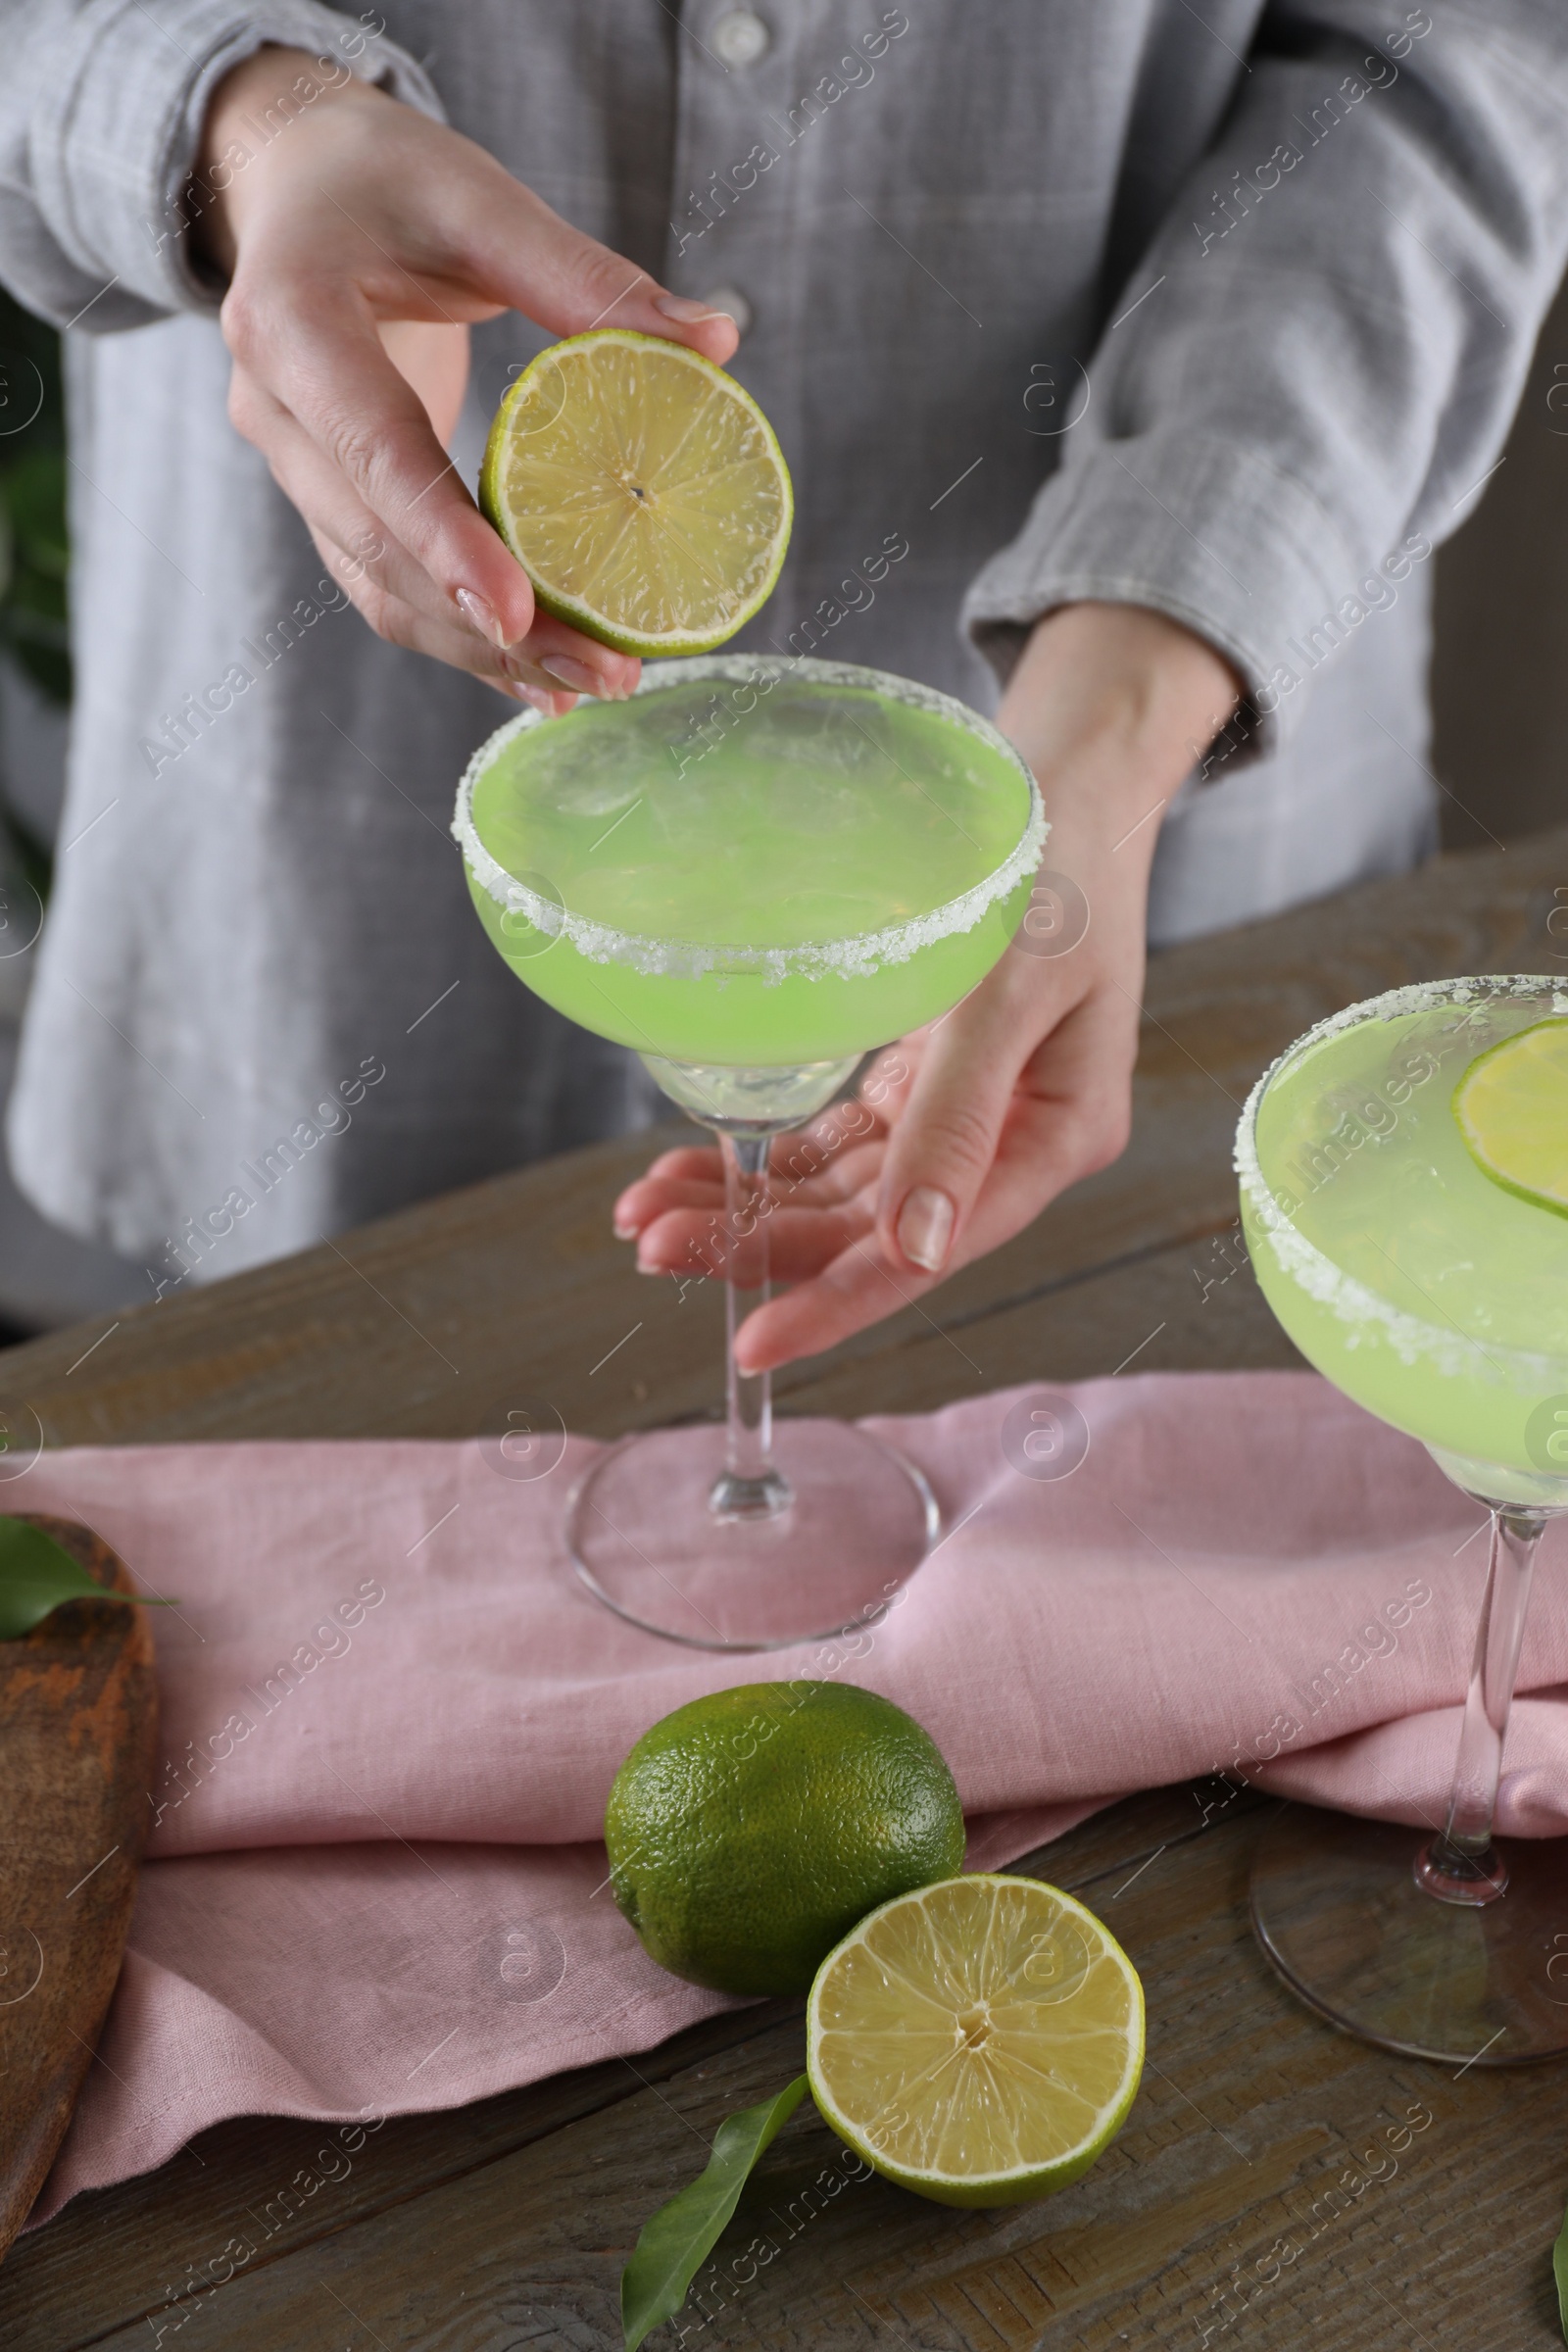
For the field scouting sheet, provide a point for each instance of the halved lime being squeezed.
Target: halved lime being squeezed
(642, 490)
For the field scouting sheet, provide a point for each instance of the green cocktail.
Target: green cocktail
(1417, 1258)
(752, 863)
(753, 873)
(1421, 1287)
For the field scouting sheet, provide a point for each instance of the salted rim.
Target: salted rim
(1353, 1302)
(818, 960)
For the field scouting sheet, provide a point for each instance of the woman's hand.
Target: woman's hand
(963, 1132)
(360, 239)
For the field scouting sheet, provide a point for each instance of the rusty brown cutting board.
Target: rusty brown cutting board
(79, 1729)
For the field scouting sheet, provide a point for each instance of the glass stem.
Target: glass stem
(748, 1394)
(1463, 1866)
(750, 1486)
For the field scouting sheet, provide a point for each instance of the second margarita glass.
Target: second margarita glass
(1436, 1297)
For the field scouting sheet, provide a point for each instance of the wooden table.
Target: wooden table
(1276, 2184)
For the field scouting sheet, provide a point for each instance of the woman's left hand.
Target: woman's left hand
(962, 1133)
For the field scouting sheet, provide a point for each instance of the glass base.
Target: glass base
(853, 1521)
(1337, 1907)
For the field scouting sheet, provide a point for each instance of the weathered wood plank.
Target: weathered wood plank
(1194, 1307)
(437, 1321)
(115, 2256)
(79, 1726)
(1273, 2172)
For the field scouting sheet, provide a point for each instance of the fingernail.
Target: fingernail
(925, 1228)
(684, 311)
(575, 676)
(480, 616)
(543, 702)
(625, 1232)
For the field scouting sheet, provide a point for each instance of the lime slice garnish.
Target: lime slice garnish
(1512, 1108)
(640, 489)
(979, 2041)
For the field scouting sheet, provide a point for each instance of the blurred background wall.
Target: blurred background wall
(1499, 690)
(1500, 673)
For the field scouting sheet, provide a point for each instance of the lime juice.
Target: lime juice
(1428, 1286)
(754, 863)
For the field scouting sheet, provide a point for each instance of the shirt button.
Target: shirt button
(730, 300)
(740, 38)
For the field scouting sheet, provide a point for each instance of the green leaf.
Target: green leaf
(36, 1574)
(1559, 2264)
(676, 2240)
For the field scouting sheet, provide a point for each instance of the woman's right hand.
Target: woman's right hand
(360, 239)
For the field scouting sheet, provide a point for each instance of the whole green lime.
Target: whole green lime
(750, 1831)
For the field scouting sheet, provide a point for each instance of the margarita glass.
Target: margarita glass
(753, 873)
(1437, 1298)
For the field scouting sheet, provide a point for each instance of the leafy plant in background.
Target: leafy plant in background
(34, 552)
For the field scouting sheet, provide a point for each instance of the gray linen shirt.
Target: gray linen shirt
(1221, 312)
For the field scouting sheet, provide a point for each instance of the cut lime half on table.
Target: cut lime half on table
(980, 2042)
(640, 489)
(1512, 1108)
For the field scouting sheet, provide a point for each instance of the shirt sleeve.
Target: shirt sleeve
(1314, 367)
(101, 108)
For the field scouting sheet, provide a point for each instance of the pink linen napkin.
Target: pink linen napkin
(391, 1716)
